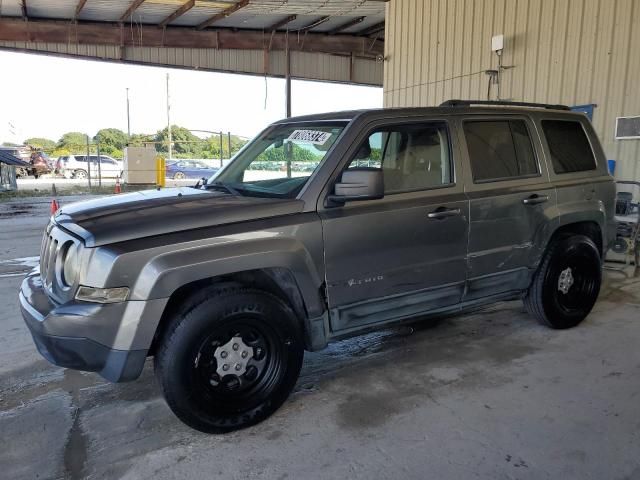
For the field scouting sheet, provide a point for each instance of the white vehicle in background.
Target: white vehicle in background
(76, 166)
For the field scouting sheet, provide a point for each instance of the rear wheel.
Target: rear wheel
(179, 176)
(567, 284)
(229, 359)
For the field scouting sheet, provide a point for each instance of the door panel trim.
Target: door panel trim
(496, 283)
(394, 307)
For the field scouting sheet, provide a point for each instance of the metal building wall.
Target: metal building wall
(562, 51)
(304, 65)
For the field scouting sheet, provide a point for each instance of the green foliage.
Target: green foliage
(188, 145)
(141, 139)
(298, 154)
(112, 141)
(71, 143)
(184, 142)
(41, 143)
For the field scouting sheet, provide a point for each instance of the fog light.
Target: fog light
(102, 295)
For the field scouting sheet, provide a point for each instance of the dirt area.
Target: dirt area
(490, 394)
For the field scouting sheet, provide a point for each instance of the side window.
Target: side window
(412, 157)
(569, 146)
(499, 150)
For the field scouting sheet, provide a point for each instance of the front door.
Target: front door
(510, 197)
(404, 254)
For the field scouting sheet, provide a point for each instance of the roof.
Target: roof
(359, 17)
(476, 107)
(9, 159)
(327, 40)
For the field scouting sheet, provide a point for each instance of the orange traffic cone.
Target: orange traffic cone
(118, 189)
(54, 206)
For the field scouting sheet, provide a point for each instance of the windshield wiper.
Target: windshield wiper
(222, 186)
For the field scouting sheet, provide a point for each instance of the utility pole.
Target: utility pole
(128, 117)
(221, 149)
(169, 116)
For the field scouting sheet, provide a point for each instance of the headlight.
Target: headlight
(102, 295)
(70, 268)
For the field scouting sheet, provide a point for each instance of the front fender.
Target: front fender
(167, 272)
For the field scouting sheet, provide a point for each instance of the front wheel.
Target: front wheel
(566, 285)
(179, 176)
(230, 359)
(80, 174)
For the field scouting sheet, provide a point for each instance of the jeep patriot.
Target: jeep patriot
(323, 227)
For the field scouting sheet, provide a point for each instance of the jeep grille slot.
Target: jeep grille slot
(53, 241)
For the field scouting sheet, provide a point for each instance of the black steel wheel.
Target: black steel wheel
(230, 359)
(566, 286)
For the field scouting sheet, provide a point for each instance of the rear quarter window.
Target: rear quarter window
(569, 146)
(500, 150)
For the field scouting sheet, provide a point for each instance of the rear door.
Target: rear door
(404, 254)
(510, 198)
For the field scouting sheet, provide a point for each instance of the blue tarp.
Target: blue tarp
(7, 158)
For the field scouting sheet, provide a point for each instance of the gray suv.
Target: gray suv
(401, 213)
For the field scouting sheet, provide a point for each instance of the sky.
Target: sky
(48, 96)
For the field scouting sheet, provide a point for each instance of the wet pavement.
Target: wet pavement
(490, 394)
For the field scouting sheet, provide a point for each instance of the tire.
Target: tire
(179, 176)
(567, 283)
(80, 174)
(189, 365)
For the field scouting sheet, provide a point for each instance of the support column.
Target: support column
(287, 76)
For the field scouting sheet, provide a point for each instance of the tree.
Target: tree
(73, 142)
(298, 154)
(41, 143)
(184, 143)
(112, 141)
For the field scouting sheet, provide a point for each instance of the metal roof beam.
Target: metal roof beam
(281, 23)
(179, 12)
(372, 29)
(16, 30)
(132, 8)
(314, 24)
(79, 8)
(223, 14)
(349, 24)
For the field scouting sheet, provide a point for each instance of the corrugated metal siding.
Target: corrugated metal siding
(304, 65)
(562, 51)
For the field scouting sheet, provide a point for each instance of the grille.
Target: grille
(55, 243)
(48, 256)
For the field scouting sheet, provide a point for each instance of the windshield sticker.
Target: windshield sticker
(316, 137)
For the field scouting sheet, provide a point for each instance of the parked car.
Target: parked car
(75, 166)
(409, 213)
(40, 164)
(181, 169)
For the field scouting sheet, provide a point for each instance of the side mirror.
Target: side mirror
(358, 184)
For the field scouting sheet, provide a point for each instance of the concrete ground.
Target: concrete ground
(485, 395)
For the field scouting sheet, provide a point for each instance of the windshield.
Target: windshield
(280, 160)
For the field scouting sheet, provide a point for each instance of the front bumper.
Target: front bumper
(111, 339)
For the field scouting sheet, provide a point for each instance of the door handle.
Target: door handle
(442, 212)
(535, 199)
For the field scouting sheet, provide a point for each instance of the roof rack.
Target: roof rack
(468, 103)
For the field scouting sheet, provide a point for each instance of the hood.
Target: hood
(142, 214)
